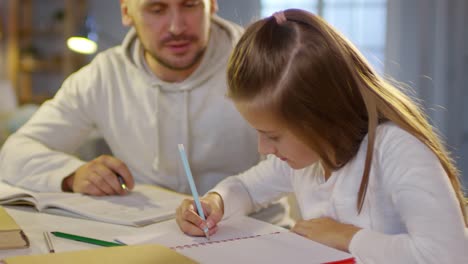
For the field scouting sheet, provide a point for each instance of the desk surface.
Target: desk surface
(272, 244)
(34, 224)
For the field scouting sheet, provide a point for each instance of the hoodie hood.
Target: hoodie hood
(185, 96)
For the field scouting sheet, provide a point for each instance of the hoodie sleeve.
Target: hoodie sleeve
(36, 156)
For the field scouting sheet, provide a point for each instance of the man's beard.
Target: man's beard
(174, 66)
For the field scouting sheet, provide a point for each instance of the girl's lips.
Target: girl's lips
(283, 159)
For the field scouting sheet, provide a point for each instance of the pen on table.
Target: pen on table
(122, 182)
(193, 188)
(86, 239)
(48, 241)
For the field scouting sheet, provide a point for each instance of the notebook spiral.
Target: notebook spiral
(187, 246)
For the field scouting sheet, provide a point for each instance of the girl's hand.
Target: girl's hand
(191, 223)
(327, 231)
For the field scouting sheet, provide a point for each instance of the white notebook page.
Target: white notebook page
(240, 240)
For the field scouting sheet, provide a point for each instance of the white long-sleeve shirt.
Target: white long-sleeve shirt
(410, 214)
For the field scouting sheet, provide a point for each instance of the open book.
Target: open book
(144, 205)
(241, 240)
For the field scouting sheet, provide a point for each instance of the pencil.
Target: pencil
(193, 188)
(86, 239)
(48, 241)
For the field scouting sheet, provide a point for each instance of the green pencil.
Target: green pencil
(86, 239)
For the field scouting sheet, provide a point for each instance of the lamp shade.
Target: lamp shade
(85, 40)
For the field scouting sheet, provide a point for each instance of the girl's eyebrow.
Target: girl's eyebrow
(265, 132)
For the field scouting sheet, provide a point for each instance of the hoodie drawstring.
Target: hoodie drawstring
(183, 184)
(156, 136)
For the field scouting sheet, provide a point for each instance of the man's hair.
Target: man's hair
(323, 89)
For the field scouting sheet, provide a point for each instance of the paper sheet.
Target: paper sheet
(242, 240)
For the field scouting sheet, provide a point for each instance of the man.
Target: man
(164, 85)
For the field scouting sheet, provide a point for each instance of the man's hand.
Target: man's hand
(327, 231)
(191, 223)
(99, 177)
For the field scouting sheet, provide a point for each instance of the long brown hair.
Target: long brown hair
(317, 82)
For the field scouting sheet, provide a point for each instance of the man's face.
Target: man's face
(174, 33)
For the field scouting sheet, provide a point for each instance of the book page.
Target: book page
(142, 206)
(11, 194)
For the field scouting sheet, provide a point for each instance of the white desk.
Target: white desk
(34, 223)
(247, 240)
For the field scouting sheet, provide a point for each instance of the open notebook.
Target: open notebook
(242, 240)
(142, 206)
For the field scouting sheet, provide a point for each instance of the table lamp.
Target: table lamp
(85, 41)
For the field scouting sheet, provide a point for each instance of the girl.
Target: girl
(370, 175)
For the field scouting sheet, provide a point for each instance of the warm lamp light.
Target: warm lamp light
(82, 45)
(85, 41)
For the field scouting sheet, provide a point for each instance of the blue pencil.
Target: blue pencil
(193, 188)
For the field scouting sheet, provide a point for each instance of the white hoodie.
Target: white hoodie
(142, 120)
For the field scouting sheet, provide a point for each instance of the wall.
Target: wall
(427, 48)
(242, 12)
(110, 28)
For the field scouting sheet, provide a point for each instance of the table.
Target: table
(34, 224)
(238, 240)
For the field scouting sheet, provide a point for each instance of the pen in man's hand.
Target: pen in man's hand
(122, 182)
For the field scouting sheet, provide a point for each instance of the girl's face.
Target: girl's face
(275, 138)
